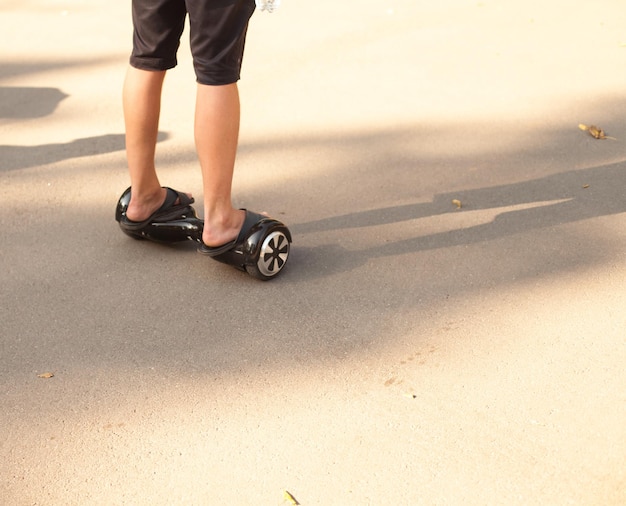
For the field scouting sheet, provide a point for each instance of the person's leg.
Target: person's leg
(142, 105)
(216, 135)
(158, 25)
(218, 33)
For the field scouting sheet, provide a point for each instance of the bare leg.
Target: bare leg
(216, 136)
(142, 106)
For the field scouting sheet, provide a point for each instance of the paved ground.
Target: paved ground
(412, 352)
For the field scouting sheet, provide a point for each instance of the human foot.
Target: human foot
(220, 231)
(146, 207)
(261, 247)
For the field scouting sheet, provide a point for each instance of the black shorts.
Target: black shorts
(217, 36)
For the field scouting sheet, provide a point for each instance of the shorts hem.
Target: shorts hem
(217, 81)
(154, 64)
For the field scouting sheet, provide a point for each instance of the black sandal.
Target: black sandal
(176, 204)
(261, 248)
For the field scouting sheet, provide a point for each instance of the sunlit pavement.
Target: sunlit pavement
(451, 325)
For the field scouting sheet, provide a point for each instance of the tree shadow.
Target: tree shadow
(29, 102)
(578, 186)
(349, 273)
(540, 203)
(23, 157)
(10, 69)
(23, 103)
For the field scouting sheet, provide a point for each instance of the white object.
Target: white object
(267, 5)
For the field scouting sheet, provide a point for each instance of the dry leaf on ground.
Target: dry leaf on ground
(594, 131)
(290, 498)
(457, 203)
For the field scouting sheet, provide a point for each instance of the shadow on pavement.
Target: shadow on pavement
(13, 69)
(553, 200)
(530, 211)
(28, 102)
(22, 157)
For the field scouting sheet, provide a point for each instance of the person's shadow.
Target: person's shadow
(549, 201)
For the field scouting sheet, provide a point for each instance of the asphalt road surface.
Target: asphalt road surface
(450, 328)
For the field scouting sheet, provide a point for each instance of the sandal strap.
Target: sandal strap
(183, 199)
(168, 211)
(249, 221)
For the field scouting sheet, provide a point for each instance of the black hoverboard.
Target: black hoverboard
(261, 249)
